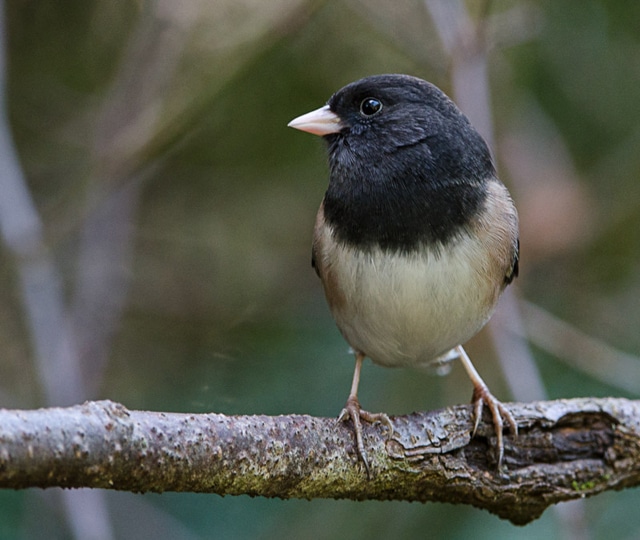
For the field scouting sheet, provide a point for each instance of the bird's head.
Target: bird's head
(400, 116)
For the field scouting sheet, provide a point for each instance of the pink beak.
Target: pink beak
(321, 122)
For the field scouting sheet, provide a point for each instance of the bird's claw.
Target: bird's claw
(482, 396)
(353, 411)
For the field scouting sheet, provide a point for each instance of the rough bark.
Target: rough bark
(566, 449)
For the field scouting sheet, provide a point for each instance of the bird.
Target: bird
(416, 237)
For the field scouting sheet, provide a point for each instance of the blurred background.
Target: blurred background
(156, 217)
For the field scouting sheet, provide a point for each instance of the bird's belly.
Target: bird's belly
(408, 309)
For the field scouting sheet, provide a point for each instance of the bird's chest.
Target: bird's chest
(406, 309)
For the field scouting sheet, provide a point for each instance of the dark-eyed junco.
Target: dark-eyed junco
(416, 237)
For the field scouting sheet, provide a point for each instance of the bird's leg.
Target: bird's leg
(482, 396)
(352, 410)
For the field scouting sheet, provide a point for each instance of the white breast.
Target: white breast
(408, 309)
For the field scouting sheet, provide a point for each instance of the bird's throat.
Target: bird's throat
(400, 216)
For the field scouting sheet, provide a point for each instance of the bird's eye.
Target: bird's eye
(370, 106)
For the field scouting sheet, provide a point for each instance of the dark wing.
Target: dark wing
(313, 261)
(515, 265)
(317, 237)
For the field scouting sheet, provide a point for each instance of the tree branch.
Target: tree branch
(566, 449)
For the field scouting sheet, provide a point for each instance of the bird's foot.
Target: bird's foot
(353, 411)
(481, 397)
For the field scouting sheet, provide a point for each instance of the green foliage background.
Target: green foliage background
(186, 103)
